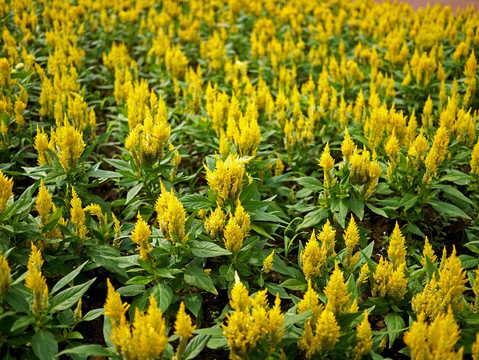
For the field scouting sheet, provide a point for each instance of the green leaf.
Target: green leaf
(313, 218)
(196, 276)
(376, 210)
(92, 314)
(44, 345)
(131, 290)
(310, 183)
(395, 324)
(88, 350)
(66, 279)
(205, 249)
(195, 346)
(163, 295)
(67, 298)
(468, 261)
(294, 284)
(103, 174)
(408, 201)
(133, 192)
(343, 212)
(356, 206)
(196, 201)
(447, 209)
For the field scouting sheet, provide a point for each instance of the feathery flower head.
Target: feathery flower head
(171, 216)
(6, 187)
(4, 277)
(336, 292)
(183, 325)
(397, 249)
(226, 181)
(215, 223)
(140, 236)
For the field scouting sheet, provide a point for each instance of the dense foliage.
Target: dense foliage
(255, 179)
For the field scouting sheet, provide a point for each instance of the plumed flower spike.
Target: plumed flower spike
(183, 325)
(114, 308)
(397, 249)
(233, 236)
(226, 181)
(140, 236)
(336, 293)
(312, 258)
(351, 239)
(347, 146)
(309, 301)
(436, 340)
(324, 338)
(327, 163)
(268, 263)
(43, 203)
(184, 329)
(70, 144)
(4, 277)
(171, 216)
(240, 300)
(6, 187)
(364, 336)
(36, 282)
(215, 223)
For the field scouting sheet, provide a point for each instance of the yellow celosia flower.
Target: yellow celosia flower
(312, 258)
(336, 293)
(310, 301)
(427, 252)
(226, 180)
(6, 186)
(41, 145)
(347, 146)
(364, 336)
(389, 281)
(77, 217)
(397, 249)
(351, 239)
(43, 203)
(145, 339)
(171, 216)
(184, 329)
(70, 143)
(242, 218)
(147, 140)
(436, 340)
(475, 160)
(417, 150)
(95, 210)
(245, 134)
(446, 291)
(77, 314)
(327, 238)
(327, 163)
(233, 236)
(4, 277)
(140, 236)
(268, 263)
(275, 325)
(36, 282)
(325, 336)
(114, 308)
(475, 348)
(183, 325)
(215, 223)
(251, 321)
(279, 168)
